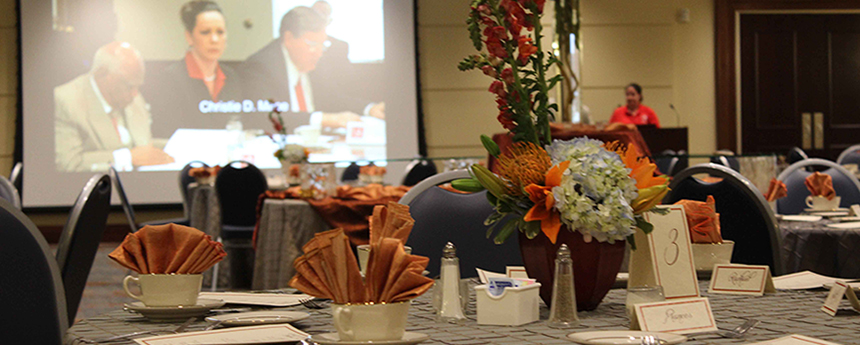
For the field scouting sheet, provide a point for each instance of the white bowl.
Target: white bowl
(706, 255)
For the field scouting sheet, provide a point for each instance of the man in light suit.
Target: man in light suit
(100, 119)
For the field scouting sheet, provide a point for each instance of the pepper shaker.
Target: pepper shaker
(451, 310)
(562, 312)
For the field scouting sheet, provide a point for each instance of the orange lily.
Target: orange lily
(641, 169)
(550, 222)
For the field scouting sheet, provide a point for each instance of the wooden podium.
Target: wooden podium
(661, 139)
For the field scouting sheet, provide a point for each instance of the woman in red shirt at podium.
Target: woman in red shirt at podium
(634, 112)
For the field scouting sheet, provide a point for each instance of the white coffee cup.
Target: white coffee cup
(165, 290)
(364, 254)
(370, 322)
(820, 203)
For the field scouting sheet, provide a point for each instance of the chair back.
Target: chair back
(851, 155)
(666, 162)
(17, 176)
(795, 154)
(727, 161)
(9, 193)
(350, 173)
(239, 185)
(123, 200)
(31, 291)
(443, 216)
(846, 185)
(745, 216)
(184, 181)
(418, 170)
(80, 239)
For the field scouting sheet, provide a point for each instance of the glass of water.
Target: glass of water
(642, 294)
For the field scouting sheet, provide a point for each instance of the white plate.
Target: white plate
(852, 225)
(832, 214)
(838, 209)
(255, 318)
(334, 339)
(846, 219)
(623, 337)
(800, 218)
(175, 313)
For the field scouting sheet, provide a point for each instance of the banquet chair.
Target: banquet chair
(846, 185)
(9, 193)
(31, 290)
(350, 173)
(795, 154)
(851, 155)
(745, 216)
(442, 216)
(17, 176)
(123, 200)
(80, 239)
(727, 161)
(418, 170)
(666, 162)
(239, 185)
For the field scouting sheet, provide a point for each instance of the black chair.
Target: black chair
(17, 176)
(9, 193)
(727, 161)
(666, 162)
(846, 185)
(31, 290)
(442, 216)
(80, 239)
(123, 200)
(851, 155)
(745, 216)
(350, 173)
(795, 154)
(239, 185)
(418, 170)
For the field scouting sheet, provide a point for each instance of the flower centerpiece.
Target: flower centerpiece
(291, 156)
(596, 191)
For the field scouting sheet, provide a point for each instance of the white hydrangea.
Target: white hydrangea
(596, 190)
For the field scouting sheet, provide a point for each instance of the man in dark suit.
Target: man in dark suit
(288, 70)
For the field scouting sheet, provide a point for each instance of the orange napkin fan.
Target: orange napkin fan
(775, 190)
(170, 248)
(392, 220)
(703, 219)
(820, 185)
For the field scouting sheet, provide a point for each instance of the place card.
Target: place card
(855, 210)
(518, 272)
(839, 289)
(281, 333)
(741, 280)
(802, 281)
(678, 316)
(795, 339)
(484, 275)
(664, 257)
(264, 299)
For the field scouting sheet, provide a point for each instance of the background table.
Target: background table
(205, 215)
(781, 314)
(285, 225)
(815, 247)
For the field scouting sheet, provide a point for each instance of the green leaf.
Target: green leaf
(467, 185)
(531, 229)
(493, 217)
(492, 199)
(644, 225)
(630, 239)
(490, 146)
(505, 232)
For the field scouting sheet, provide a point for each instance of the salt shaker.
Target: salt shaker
(562, 312)
(451, 309)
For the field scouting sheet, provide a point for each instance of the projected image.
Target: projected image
(181, 81)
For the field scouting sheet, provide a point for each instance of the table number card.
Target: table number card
(741, 280)
(664, 257)
(679, 316)
(516, 272)
(795, 339)
(839, 289)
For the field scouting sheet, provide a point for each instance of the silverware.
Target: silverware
(213, 325)
(650, 340)
(310, 303)
(179, 329)
(735, 333)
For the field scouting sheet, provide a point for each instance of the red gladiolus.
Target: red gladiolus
(501, 103)
(277, 124)
(498, 88)
(489, 70)
(506, 119)
(526, 49)
(508, 76)
(496, 49)
(484, 9)
(540, 4)
(495, 33)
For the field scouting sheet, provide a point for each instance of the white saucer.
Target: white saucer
(800, 218)
(623, 337)
(175, 313)
(829, 214)
(852, 225)
(847, 219)
(838, 209)
(255, 318)
(333, 339)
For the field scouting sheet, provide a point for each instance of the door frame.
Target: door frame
(727, 50)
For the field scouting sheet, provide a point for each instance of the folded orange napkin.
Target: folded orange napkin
(372, 191)
(820, 185)
(204, 171)
(392, 220)
(372, 170)
(703, 220)
(775, 190)
(169, 248)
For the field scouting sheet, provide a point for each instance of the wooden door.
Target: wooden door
(800, 83)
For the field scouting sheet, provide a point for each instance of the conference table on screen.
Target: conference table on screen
(285, 222)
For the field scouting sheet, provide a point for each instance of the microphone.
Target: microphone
(677, 116)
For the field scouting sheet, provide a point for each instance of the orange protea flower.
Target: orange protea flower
(550, 221)
(523, 164)
(641, 168)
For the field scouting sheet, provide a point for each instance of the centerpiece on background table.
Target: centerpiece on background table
(291, 156)
(584, 193)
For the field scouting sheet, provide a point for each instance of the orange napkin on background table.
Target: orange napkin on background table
(775, 190)
(372, 191)
(820, 185)
(169, 248)
(703, 220)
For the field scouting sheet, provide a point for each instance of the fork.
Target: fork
(179, 329)
(650, 340)
(310, 303)
(735, 333)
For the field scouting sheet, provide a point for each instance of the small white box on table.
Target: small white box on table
(515, 306)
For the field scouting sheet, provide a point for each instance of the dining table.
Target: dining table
(821, 249)
(782, 313)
